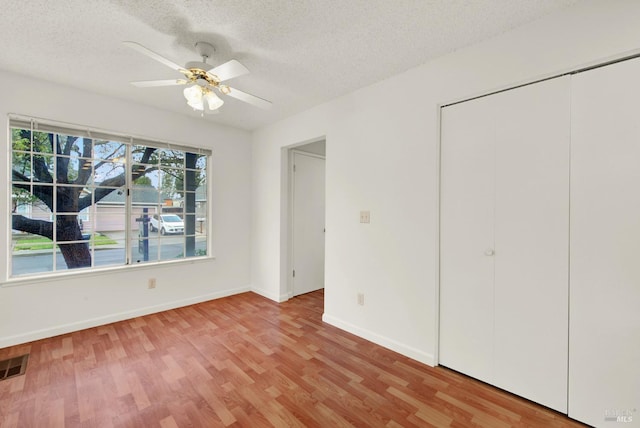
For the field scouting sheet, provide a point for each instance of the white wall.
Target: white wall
(382, 156)
(38, 309)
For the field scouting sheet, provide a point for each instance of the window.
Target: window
(84, 199)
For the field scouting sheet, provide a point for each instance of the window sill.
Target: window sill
(72, 274)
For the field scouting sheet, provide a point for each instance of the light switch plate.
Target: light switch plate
(365, 217)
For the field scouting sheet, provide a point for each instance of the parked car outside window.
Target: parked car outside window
(167, 224)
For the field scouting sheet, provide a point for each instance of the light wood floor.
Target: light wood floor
(244, 361)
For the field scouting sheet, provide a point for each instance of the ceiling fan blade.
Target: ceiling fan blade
(248, 98)
(151, 54)
(152, 83)
(229, 70)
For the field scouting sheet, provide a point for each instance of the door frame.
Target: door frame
(438, 184)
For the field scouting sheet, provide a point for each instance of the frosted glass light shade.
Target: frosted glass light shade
(193, 95)
(213, 100)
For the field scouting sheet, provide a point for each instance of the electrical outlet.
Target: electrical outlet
(361, 299)
(365, 217)
(152, 283)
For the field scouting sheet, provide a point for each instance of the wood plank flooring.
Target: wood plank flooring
(244, 361)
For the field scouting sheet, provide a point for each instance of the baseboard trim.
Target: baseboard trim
(271, 296)
(386, 342)
(121, 316)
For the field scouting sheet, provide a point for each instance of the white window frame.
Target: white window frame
(43, 125)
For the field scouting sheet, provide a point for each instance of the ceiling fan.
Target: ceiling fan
(202, 80)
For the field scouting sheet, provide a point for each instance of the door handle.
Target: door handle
(489, 252)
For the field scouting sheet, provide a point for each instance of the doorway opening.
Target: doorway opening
(307, 218)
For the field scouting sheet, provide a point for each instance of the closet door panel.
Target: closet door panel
(532, 242)
(466, 293)
(604, 350)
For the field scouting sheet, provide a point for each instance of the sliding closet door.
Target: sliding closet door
(504, 240)
(466, 272)
(604, 374)
(532, 242)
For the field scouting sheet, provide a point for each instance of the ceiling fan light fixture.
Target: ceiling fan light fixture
(197, 95)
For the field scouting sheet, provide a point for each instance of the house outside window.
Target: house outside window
(84, 199)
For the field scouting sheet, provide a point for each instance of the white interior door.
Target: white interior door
(308, 222)
(604, 369)
(504, 240)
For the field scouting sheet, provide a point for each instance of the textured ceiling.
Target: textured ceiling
(300, 52)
